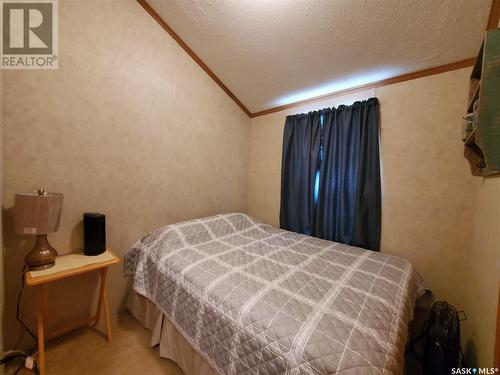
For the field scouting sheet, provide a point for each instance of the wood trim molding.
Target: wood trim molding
(191, 53)
(494, 15)
(385, 82)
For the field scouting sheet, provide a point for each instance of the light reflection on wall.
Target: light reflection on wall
(338, 85)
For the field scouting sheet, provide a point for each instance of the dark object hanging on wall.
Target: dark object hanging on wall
(94, 233)
(330, 174)
(440, 340)
(481, 144)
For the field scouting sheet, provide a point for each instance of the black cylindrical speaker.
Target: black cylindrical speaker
(94, 233)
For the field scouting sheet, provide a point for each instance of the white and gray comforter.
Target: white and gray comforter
(254, 299)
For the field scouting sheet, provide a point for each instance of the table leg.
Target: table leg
(103, 301)
(41, 314)
(101, 294)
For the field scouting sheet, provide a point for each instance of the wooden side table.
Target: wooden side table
(66, 266)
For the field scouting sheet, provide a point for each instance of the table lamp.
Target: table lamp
(37, 214)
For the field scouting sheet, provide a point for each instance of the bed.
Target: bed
(237, 296)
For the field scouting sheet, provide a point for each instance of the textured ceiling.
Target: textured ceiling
(274, 52)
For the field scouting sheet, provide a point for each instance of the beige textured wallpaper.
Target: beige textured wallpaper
(426, 206)
(483, 269)
(128, 126)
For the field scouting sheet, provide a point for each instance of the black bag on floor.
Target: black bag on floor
(440, 340)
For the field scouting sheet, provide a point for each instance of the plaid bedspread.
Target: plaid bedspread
(254, 299)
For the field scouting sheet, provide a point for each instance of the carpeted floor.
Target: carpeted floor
(86, 351)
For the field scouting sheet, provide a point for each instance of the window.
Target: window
(321, 155)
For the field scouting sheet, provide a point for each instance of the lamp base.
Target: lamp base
(42, 256)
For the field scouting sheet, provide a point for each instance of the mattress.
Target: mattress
(254, 299)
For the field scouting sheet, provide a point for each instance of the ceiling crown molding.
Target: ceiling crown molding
(494, 15)
(385, 82)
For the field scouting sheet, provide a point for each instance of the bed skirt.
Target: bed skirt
(172, 344)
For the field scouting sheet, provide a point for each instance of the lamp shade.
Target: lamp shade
(37, 213)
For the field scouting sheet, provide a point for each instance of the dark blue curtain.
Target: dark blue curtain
(330, 174)
(301, 140)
